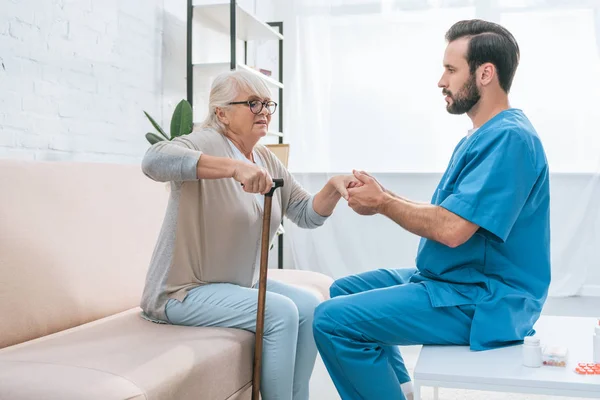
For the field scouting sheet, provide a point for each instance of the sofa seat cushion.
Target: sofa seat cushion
(127, 357)
(37, 380)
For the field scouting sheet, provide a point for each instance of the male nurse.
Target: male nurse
(483, 262)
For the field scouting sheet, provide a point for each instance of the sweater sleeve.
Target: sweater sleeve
(301, 212)
(297, 203)
(172, 161)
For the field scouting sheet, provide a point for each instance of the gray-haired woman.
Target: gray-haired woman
(204, 268)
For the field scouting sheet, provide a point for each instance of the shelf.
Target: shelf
(248, 26)
(225, 66)
(210, 22)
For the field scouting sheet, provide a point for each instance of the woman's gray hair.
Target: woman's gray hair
(225, 88)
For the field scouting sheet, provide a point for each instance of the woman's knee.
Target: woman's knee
(281, 313)
(307, 304)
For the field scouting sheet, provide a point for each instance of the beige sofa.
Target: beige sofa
(75, 242)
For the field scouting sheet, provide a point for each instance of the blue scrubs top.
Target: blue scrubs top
(497, 179)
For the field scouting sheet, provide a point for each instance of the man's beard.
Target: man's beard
(465, 99)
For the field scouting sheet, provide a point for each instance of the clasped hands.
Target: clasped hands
(365, 195)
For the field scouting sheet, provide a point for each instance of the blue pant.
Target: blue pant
(357, 332)
(289, 350)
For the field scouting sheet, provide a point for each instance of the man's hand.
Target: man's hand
(372, 177)
(367, 198)
(342, 183)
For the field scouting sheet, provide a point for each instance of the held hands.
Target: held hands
(342, 183)
(253, 178)
(367, 197)
(364, 193)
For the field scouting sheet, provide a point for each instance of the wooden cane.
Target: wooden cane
(262, 289)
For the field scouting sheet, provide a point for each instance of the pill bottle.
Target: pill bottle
(532, 352)
(596, 355)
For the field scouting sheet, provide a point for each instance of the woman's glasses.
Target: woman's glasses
(256, 106)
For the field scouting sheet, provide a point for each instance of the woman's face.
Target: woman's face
(240, 119)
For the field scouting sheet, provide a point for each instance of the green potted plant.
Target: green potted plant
(182, 123)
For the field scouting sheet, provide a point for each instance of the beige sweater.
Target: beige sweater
(212, 228)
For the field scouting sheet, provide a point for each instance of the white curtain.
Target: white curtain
(361, 92)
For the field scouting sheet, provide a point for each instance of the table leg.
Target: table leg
(436, 393)
(416, 391)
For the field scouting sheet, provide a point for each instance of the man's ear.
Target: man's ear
(486, 73)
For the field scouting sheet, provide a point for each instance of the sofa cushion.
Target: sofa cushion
(75, 243)
(35, 380)
(124, 356)
(127, 357)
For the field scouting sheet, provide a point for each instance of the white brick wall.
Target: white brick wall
(75, 76)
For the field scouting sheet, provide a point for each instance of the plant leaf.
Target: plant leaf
(182, 121)
(152, 138)
(156, 126)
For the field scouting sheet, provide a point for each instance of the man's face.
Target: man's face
(457, 83)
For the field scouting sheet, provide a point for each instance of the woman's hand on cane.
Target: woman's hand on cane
(253, 178)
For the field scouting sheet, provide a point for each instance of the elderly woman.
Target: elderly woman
(204, 269)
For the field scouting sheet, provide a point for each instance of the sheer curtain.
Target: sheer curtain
(361, 92)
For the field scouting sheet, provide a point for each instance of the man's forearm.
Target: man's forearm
(325, 201)
(402, 198)
(424, 220)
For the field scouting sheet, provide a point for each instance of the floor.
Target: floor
(322, 387)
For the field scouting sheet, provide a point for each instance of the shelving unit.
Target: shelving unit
(227, 19)
(223, 66)
(248, 26)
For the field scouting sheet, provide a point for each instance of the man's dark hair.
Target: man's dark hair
(489, 42)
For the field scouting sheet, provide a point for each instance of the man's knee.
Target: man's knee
(325, 317)
(337, 288)
(334, 290)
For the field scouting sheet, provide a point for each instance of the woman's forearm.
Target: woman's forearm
(211, 167)
(325, 201)
(174, 161)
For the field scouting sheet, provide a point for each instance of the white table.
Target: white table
(501, 369)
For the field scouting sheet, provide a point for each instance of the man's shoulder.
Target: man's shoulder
(512, 122)
(512, 128)
(512, 134)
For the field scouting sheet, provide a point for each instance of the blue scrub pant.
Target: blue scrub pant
(289, 350)
(357, 331)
